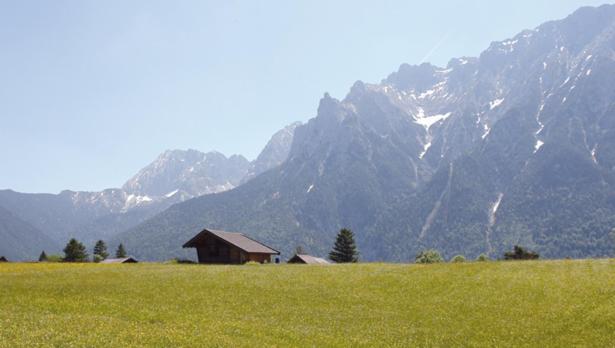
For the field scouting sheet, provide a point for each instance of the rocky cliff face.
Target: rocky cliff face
(275, 152)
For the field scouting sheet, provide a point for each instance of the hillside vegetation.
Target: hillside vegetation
(19, 240)
(553, 303)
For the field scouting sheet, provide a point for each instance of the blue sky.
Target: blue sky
(92, 91)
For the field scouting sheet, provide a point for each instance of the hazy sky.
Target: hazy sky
(92, 91)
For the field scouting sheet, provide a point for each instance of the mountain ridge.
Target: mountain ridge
(444, 158)
(174, 176)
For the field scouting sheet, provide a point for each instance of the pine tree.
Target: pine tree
(345, 248)
(121, 252)
(100, 250)
(75, 251)
(43, 257)
(299, 250)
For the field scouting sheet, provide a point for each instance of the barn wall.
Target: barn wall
(212, 250)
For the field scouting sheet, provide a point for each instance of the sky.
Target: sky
(92, 91)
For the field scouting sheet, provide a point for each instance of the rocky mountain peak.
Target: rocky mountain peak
(275, 152)
(191, 171)
(415, 77)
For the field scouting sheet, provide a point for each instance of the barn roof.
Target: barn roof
(309, 259)
(122, 260)
(239, 240)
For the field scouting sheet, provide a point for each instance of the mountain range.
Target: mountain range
(515, 146)
(175, 176)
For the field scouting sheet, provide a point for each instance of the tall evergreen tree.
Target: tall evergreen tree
(75, 251)
(43, 257)
(100, 250)
(345, 248)
(120, 253)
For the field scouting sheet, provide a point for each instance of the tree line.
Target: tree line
(75, 251)
(345, 251)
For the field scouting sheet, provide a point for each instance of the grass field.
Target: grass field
(548, 303)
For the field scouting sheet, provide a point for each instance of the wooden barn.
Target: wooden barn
(3, 259)
(122, 260)
(220, 247)
(308, 259)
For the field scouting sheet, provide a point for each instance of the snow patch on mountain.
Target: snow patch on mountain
(428, 121)
(486, 131)
(593, 154)
(133, 201)
(495, 103)
(425, 149)
(494, 209)
(538, 145)
(172, 193)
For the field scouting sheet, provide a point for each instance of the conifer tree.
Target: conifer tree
(75, 252)
(100, 250)
(345, 248)
(43, 257)
(121, 252)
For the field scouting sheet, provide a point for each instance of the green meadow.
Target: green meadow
(538, 304)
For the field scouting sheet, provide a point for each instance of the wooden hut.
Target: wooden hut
(122, 260)
(3, 259)
(308, 259)
(220, 247)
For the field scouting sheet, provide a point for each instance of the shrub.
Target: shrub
(482, 258)
(184, 261)
(97, 258)
(177, 260)
(429, 256)
(520, 253)
(54, 258)
(458, 259)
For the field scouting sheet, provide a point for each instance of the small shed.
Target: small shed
(308, 259)
(123, 260)
(3, 259)
(221, 247)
